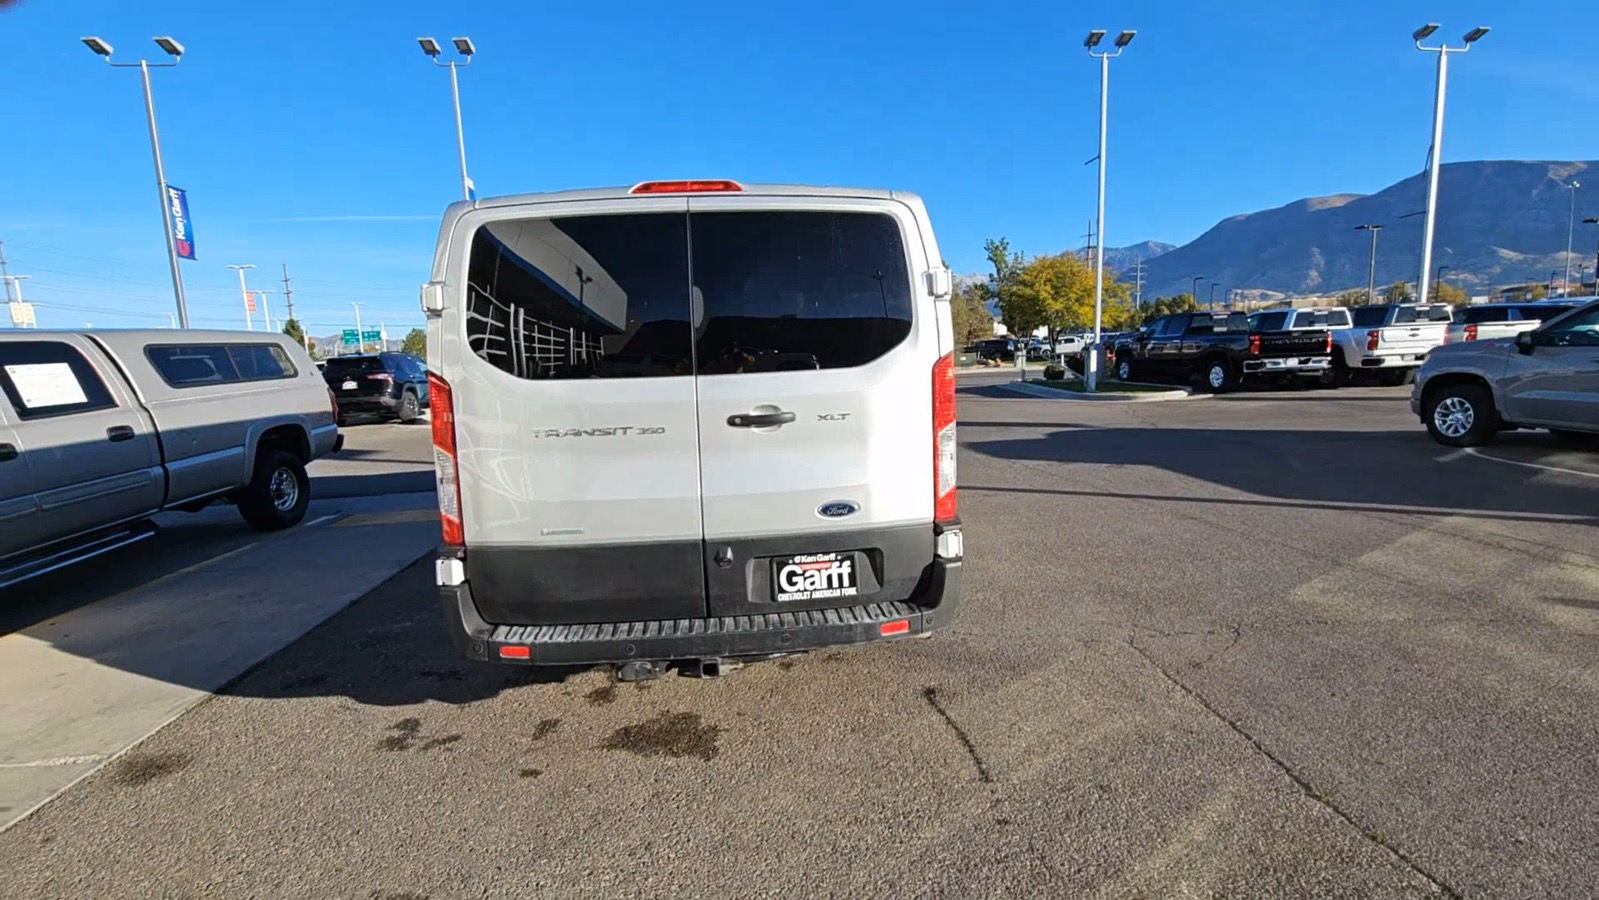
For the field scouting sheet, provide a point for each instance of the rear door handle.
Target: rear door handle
(120, 433)
(759, 420)
(7, 453)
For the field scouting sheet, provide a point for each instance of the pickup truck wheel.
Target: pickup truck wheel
(1461, 415)
(1218, 375)
(278, 494)
(1125, 370)
(410, 407)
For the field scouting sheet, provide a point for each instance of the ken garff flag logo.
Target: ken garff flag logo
(182, 231)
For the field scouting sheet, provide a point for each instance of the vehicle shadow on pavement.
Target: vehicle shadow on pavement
(1316, 469)
(389, 648)
(333, 487)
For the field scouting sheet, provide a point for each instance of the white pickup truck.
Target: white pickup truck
(101, 430)
(1488, 321)
(1391, 339)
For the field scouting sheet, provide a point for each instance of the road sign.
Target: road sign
(371, 337)
(22, 315)
(348, 338)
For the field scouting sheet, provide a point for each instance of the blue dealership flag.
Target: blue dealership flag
(182, 230)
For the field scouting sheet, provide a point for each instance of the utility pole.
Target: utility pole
(288, 300)
(360, 342)
(1138, 285)
(5, 275)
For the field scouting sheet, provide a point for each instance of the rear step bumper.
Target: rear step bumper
(726, 637)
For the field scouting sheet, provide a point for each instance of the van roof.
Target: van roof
(625, 192)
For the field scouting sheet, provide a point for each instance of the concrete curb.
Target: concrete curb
(1035, 390)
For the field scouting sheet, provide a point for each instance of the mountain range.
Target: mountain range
(1499, 222)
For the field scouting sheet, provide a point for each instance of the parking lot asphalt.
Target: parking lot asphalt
(1270, 644)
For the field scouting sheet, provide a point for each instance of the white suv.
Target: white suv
(691, 421)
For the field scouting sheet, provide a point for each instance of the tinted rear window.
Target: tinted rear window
(798, 290)
(1477, 315)
(613, 296)
(353, 364)
(1320, 318)
(1268, 321)
(1369, 316)
(1543, 313)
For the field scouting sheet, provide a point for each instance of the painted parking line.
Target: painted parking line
(1530, 465)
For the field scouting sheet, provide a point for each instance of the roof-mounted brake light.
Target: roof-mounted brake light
(686, 187)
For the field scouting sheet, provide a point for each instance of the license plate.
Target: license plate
(347, 386)
(818, 576)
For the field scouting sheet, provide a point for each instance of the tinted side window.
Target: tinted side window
(186, 366)
(260, 361)
(582, 297)
(1369, 316)
(797, 290)
(1543, 313)
(49, 378)
(1477, 315)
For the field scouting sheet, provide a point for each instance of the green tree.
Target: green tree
(416, 342)
(1398, 292)
(973, 321)
(1020, 308)
(1444, 292)
(296, 333)
(1356, 297)
(1165, 306)
(1536, 291)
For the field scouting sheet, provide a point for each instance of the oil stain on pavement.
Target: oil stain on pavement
(139, 769)
(668, 734)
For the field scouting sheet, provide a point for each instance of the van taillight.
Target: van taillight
(1372, 339)
(1254, 345)
(442, 412)
(1471, 332)
(944, 439)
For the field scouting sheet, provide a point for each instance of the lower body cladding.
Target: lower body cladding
(890, 597)
(1289, 366)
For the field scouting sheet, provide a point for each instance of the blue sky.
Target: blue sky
(316, 134)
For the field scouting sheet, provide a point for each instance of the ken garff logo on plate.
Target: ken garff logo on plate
(838, 509)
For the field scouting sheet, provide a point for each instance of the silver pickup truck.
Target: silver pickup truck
(1547, 377)
(100, 430)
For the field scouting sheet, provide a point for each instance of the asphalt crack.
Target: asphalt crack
(1375, 837)
(930, 694)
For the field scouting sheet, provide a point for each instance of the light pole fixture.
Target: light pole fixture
(1371, 263)
(1592, 220)
(1213, 286)
(1091, 360)
(244, 297)
(1434, 156)
(1571, 228)
(1195, 292)
(464, 47)
(175, 50)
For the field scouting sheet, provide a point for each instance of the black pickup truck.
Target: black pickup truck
(1220, 349)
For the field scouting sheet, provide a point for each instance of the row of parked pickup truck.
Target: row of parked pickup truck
(1325, 346)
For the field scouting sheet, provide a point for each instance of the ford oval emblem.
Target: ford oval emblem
(838, 509)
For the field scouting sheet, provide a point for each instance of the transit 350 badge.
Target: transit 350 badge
(182, 231)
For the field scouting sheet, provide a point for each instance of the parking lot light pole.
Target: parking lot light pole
(1434, 157)
(1213, 286)
(1091, 361)
(1571, 229)
(1371, 264)
(1593, 220)
(463, 46)
(174, 50)
(244, 297)
(1195, 292)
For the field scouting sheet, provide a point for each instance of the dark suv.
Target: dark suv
(390, 385)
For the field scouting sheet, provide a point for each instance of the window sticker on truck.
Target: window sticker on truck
(43, 385)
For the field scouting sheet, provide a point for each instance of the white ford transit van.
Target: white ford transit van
(691, 421)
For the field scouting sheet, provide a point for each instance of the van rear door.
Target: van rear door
(571, 374)
(816, 341)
